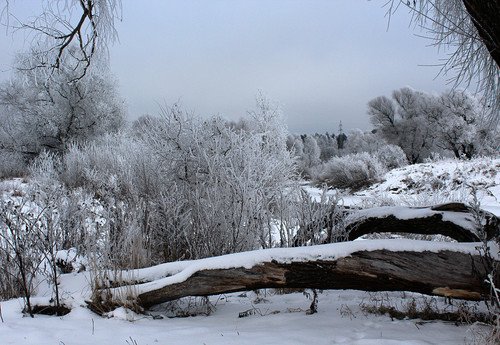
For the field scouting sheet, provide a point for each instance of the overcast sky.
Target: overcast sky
(322, 60)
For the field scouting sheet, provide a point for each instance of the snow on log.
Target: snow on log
(435, 268)
(454, 220)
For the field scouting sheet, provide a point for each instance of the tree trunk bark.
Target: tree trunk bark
(437, 221)
(445, 273)
(486, 18)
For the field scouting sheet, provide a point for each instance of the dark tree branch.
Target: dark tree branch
(486, 18)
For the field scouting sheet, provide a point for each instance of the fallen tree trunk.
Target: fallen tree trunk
(454, 220)
(446, 274)
(431, 225)
(442, 272)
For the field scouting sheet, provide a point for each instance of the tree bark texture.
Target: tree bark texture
(445, 273)
(485, 15)
(434, 223)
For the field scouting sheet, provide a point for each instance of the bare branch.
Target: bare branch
(471, 30)
(86, 24)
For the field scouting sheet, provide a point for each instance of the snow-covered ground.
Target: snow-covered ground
(433, 183)
(279, 319)
(449, 180)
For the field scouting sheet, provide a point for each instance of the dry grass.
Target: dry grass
(426, 308)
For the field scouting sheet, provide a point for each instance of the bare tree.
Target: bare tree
(86, 24)
(472, 29)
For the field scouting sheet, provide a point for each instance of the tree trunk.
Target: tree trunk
(444, 273)
(437, 222)
(485, 15)
(445, 219)
(432, 225)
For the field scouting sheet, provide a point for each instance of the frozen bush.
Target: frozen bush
(176, 187)
(391, 156)
(320, 220)
(29, 239)
(351, 171)
(12, 164)
(120, 176)
(114, 163)
(225, 185)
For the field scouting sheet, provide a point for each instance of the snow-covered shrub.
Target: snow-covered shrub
(45, 169)
(25, 233)
(391, 156)
(80, 214)
(350, 171)
(120, 176)
(176, 187)
(319, 220)
(34, 228)
(224, 186)
(12, 164)
(10, 276)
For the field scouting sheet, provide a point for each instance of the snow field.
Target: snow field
(281, 319)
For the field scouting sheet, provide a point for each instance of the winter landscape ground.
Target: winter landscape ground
(278, 319)
(270, 316)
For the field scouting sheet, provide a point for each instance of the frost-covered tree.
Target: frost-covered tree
(405, 121)
(327, 145)
(421, 123)
(460, 128)
(360, 141)
(310, 153)
(47, 114)
(311, 150)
